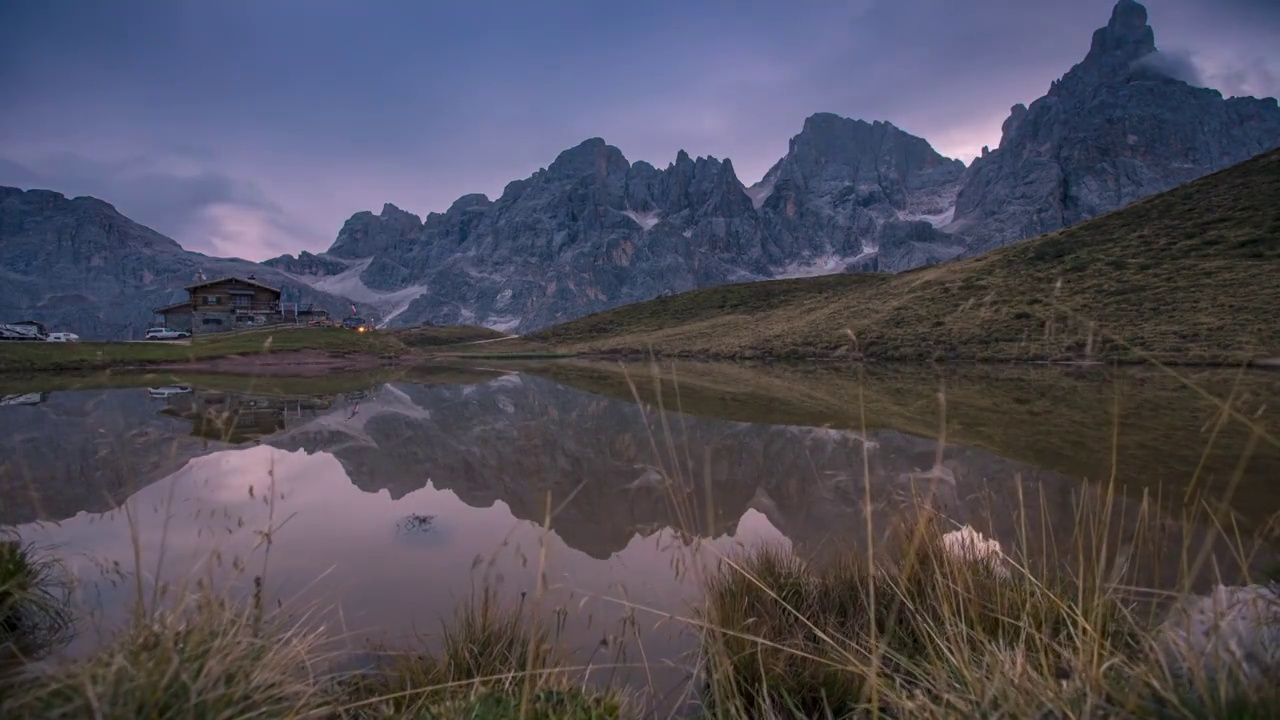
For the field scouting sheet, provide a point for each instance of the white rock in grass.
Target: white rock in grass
(1229, 638)
(969, 545)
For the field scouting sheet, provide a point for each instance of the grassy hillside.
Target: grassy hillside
(1188, 275)
(434, 337)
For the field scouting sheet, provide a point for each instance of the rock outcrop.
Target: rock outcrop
(1226, 643)
(1113, 130)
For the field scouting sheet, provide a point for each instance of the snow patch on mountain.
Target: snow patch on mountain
(826, 264)
(761, 191)
(937, 220)
(645, 219)
(502, 323)
(348, 283)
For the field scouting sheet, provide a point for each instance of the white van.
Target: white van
(63, 337)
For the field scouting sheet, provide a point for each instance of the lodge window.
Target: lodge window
(211, 300)
(241, 300)
(211, 321)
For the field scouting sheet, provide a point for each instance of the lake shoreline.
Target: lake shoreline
(312, 362)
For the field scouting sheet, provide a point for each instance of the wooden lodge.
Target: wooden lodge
(225, 304)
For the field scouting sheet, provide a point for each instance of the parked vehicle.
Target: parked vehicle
(63, 337)
(160, 333)
(357, 323)
(168, 391)
(34, 398)
(26, 330)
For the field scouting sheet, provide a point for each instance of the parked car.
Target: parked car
(168, 391)
(357, 323)
(34, 398)
(63, 337)
(160, 333)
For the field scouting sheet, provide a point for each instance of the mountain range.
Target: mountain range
(593, 230)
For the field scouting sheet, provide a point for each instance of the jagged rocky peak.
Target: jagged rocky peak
(471, 202)
(831, 138)
(365, 234)
(860, 171)
(592, 157)
(1125, 39)
(1119, 126)
(392, 213)
(1010, 126)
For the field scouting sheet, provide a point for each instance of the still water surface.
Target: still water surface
(395, 498)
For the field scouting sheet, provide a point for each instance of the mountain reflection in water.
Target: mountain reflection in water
(394, 498)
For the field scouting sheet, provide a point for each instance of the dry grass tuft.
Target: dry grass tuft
(35, 612)
(936, 634)
(205, 659)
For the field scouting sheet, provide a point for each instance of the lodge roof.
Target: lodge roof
(247, 281)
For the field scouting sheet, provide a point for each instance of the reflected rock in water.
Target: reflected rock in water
(610, 471)
(31, 398)
(602, 471)
(85, 451)
(67, 452)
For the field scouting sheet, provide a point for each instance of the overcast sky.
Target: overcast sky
(256, 127)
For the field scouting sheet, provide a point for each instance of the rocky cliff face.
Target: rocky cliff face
(78, 265)
(593, 231)
(1113, 130)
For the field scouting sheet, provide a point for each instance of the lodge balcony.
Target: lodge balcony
(242, 308)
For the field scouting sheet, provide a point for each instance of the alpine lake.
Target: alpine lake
(598, 492)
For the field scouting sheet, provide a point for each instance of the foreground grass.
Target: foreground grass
(208, 658)
(939, 635)
(1182, 276)
(946, 630)
(34, 614)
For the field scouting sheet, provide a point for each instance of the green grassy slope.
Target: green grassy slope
(435, 337)
(41, 356)
(1188, 275)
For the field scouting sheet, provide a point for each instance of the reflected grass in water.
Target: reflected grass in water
(1187, 431)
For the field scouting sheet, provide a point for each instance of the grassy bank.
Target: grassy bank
(37, 357)
(1184, 276)
(436, 337)
(20, 357)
